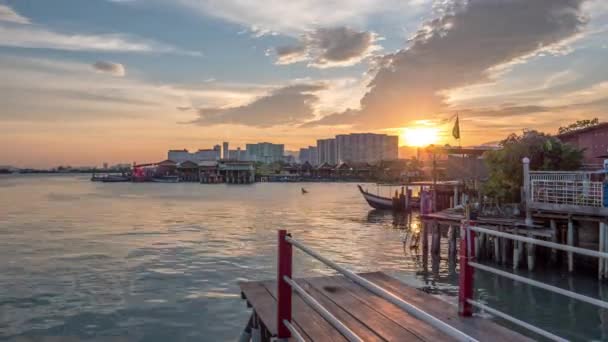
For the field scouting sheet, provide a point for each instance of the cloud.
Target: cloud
(287, 105)
(329, 47)
(115, 69)
(460, 48)
(7, 14)
(39, 37)
(297, 17)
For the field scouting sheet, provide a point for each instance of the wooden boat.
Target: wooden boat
(110, 178)
(375, 201)
(166, 179)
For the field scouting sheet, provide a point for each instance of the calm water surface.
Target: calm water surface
(160, 262)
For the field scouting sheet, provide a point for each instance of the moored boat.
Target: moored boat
(165, 179)
(375, 201)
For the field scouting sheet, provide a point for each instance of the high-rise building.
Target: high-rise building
(366, 147)
(225, 150)
(327, 151)
(265, 152)
(180, 156)
(238, 154)
(310, 155)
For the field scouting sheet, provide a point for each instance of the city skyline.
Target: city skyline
(125, 80)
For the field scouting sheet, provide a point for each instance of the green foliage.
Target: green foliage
(505, 166)
(580, 124)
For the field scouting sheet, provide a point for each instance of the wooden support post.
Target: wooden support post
(283, 289)
(516, 249)
(465, 280)
(503, 247)
(452, 248)
(477, 247)
(497, 249)
(570, 243)
(602, 271)
(554, 239)
(436, 240)
(531, 249)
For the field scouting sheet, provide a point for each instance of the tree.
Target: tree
(579, 124)
(505, 165)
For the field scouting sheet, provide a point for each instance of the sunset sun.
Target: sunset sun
(420, 136)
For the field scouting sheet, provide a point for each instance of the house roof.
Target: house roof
(187, 164)
(603, 125)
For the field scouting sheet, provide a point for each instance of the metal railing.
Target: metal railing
(468, 264)
(286, 283)
(569, 188)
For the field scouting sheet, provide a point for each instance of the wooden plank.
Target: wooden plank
(358, 326)
(386, 319)
(315, 326)
(482, 329)
(263, 303)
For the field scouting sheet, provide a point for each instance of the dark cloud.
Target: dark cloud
(328, 47)
(459, 49)
(115, 69)
(507, 110)
(288, 105)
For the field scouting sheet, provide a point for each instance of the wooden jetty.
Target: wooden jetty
(370, 316)
(361, 307)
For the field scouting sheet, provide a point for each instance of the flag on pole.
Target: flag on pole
(456, 129)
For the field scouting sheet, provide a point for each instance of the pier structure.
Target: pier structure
(564, 207)
(353, 307)
(237, 172)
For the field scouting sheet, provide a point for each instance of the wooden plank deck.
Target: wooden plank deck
(371, 317)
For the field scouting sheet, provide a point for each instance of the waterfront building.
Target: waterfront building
(594, 140)
(209, 172)
(187, 171)
(179, 156)
(237, 172)
(225, 150)
(327, 151)
(366, 147)
(265, 152)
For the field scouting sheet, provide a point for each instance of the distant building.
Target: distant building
(309, 155)
(265, 152)
(238, 154)
(594, 140)
(225, 150)
(327, 151)
(366, 147)
(180, 156)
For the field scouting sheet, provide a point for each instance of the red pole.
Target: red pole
(465, 280)
(283, 290)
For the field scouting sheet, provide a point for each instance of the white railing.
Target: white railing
(569, 188)
(285, 278)
(469, 263)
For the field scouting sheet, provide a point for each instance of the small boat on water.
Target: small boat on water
(110, 178)
(375, 201)
(166, 179)
(304, 191)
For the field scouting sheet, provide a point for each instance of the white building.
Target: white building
(265, 152)
(180, 156)
(327, 151)
(366, 147)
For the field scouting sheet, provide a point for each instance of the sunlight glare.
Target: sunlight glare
(420, 136)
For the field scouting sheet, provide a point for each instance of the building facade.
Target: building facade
(225, 150)
(238, 155)
(310, 155)
(265, 152)
(327, 151)
(594, 140)
(180, 156)
(366, 147)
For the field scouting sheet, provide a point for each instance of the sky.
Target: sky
(88, 82)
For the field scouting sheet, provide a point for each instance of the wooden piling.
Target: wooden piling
(554, 239)
(531, 249)
(570, 243)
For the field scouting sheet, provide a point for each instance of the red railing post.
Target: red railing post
(465, 280)
(283, 289)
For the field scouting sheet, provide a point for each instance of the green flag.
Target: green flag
(456, 129)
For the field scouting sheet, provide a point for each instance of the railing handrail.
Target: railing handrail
(387, 295)
(561, 247)
(469, 231)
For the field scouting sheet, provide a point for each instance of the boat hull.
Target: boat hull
(377, 202)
